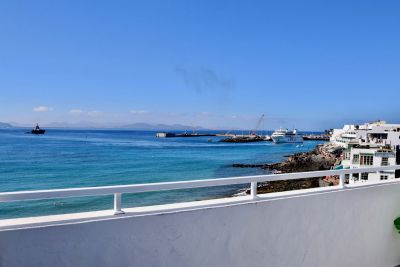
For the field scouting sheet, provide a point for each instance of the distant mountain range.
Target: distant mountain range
(4, 125)
(147, 126)
(92, 125)
(80, 125)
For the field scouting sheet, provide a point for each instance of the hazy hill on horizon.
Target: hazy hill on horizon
(148, 126)
(132, 126)
(90, 125)
(4, 125)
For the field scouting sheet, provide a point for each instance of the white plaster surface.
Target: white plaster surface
(351, 227)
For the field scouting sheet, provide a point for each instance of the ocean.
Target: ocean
(81, 158)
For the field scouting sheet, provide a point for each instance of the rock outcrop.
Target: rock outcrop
(318, 159)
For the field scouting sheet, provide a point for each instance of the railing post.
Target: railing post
(117, 204)
(341, 180)
(253, 190)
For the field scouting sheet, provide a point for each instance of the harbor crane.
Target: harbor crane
(254, 131)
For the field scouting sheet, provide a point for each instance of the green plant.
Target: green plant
(397, 224)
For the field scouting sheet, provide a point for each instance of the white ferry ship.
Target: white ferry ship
(286, 136)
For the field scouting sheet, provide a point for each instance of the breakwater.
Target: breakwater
(168, 134)
(246, 139)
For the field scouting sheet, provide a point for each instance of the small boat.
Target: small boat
(286, 136)
(267, 138)
(37, 130)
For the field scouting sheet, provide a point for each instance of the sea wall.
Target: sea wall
(351, 227)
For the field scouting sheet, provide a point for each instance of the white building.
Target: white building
(368, 155)
(369, 145)
(378, 132)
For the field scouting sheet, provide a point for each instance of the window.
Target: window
(367, 160)
(356, 176)
(347, 178)
(384, 177)
(356, 159)
(385, 161)
(364, 176)
(346, 155)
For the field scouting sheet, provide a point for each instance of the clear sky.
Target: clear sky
(305, 64)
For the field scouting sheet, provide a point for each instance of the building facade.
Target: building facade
(369, 145)
(378, 132)
(368, 155)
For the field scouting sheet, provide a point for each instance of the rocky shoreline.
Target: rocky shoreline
(321, 158)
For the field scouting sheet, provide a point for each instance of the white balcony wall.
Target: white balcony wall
(353, 227)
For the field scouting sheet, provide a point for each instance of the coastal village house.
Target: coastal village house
(369, 145)
(377, 132)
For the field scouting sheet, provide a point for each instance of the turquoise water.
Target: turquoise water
(79, 158)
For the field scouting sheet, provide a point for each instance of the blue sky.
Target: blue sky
(305, 64)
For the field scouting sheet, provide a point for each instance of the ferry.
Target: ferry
(286, 136)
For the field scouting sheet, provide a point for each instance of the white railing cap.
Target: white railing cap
(149, 187)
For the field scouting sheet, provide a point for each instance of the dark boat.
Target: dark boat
(37, 130)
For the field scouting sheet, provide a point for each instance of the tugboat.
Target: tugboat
(37, 130)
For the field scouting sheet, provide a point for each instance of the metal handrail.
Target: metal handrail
(117, 190)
